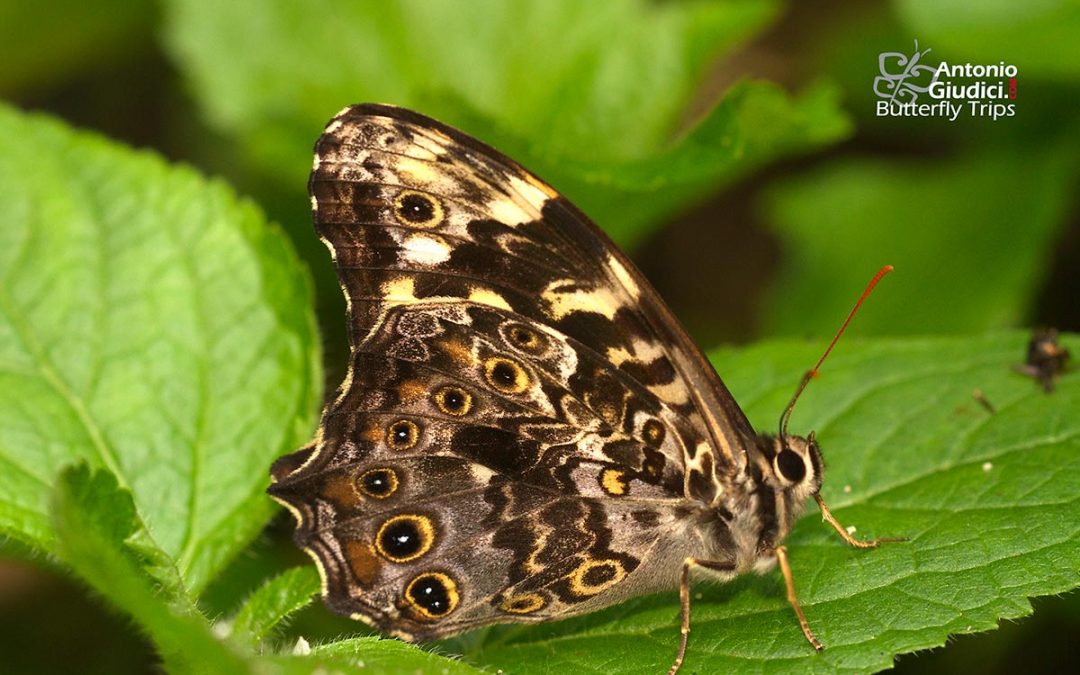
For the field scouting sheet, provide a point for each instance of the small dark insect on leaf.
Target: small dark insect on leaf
(1046, 359)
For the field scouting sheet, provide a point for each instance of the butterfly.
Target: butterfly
(525, 432)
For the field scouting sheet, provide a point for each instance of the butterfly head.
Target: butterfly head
(785, 472)
(794, 466)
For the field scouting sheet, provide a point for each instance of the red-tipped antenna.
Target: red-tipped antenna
(812, 373)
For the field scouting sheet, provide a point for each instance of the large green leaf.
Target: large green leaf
(989, 502)
(630, 65)
(151, 324)
(581, 92)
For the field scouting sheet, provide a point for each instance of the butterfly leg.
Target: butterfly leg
(785, 569)
(684, 602)
(828, 517)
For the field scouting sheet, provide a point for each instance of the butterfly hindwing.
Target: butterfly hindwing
(507, 489)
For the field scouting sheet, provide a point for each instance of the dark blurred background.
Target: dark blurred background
(979, 216)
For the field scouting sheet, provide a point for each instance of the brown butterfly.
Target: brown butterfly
(525, 432)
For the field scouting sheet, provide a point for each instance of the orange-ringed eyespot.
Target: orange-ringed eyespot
(418, 208)
(431, 595)
(654, 432)
(405, 537)
(506, 375)
(593, 576)
(402, 435)
(453, 401)
(526, 603)
(525, 338)
(378, 483)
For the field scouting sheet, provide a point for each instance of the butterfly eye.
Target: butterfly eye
(790, 466)
(378, 483)
(432, 595)
(405, 537)
(453, 401)
(417, 208)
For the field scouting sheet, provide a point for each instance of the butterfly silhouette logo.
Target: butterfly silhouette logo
(903, 77)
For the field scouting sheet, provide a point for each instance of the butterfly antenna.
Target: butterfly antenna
(812, 373)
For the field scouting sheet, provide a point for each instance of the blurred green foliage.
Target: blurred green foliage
(970, 212)
(1039, 36)
(592, 96)
(178, 362)
(968, 236)
(43, 45)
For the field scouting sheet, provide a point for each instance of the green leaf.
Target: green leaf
(305, 62)
(151, 324)
(576, 91)
(755, 122)
(93, 519)
(989, 502)
(274, 603)
(1039, 38)
(970, 239)
(378, 655)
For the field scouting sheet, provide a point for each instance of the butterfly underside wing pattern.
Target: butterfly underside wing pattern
(525, 432)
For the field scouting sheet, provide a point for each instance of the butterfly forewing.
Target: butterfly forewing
(421, 210)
